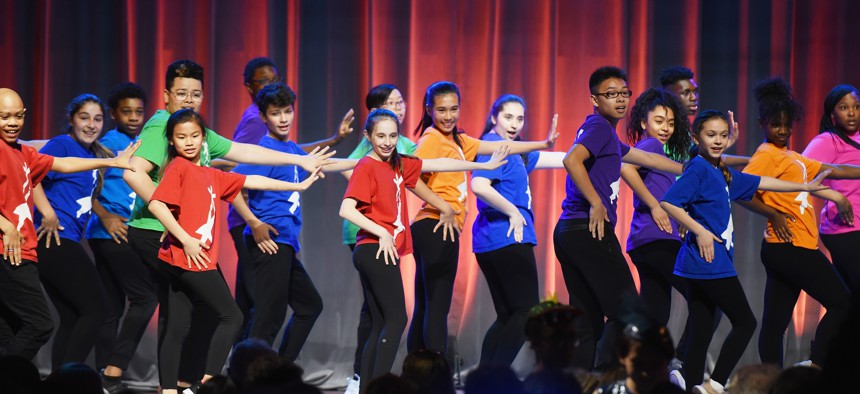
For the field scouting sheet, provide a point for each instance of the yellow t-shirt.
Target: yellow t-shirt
(453, 187)
(791, 166)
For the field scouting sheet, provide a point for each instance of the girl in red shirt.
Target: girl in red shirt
(185, 203)
(375, 202)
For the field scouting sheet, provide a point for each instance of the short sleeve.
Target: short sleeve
(359, 187)
(153, 143)
(169, 190)
(250, 131)
(625, 149)
(493, 175)
(55, 148)
(822, 148)
(428, 147)
(532, 159)
(38, 163)
(113, 143)
(743, 186)
(685, 189)
(594, 140)
(813, 167)
(761, 163)
(231, 184)
(362, 149)
(470, 146)
(218, 145)
(411, 172)
(408, 145)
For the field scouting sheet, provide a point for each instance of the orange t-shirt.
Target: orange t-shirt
(453, 187)
(791, 166)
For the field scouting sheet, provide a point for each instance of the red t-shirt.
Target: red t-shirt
(191, 191)
(381, 196)
(21, 168)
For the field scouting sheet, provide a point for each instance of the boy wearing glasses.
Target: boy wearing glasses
(595, 271)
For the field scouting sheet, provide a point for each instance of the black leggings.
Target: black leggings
(703, 298)
(123, 276)
(655, 262)
(25, 321)
(281, 280)
(207, 287)
(511, 274)
(71, 281)
(244, 279)
(843, 252)
(791, 269)
(597, 278)
(435, 270)
(383, 290)
(363, 329)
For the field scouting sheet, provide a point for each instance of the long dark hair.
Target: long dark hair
(698, 123)
(827, 126)
(435, 90)
(373, 119)
(679, 142)
(182, 116)
(96, 148)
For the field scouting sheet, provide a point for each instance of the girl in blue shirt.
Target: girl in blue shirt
(503, 235)
(64, 202)
(700, 200)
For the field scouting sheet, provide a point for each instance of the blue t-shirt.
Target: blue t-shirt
(604, 169)
(643, 229)
(702, 192)
(116, 196)
(489, 232)
(280, 209)
(70, 194)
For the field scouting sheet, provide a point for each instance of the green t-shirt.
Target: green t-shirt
(404, 146)
(153, 147)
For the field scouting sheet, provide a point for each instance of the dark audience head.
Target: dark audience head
(429, 371)
(18, 375)
(390, 384)
(551, 331)
(797, 380)
(645, 346)
(753, 379)
(272, 370)
(244, 353)
(552, 381)
(493, 379)
(72, 378)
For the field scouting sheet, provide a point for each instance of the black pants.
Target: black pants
(281, 280)
(703, 298)
(383, 290)
(123, 276)
(184, 287)
(25, 321)
(193, 360)
(655, 262)
(511, 274)
(435, 270)
(244, 279)
(597, 278)
(791, 269)
(75, 289)
(364, 327)
(843, 252)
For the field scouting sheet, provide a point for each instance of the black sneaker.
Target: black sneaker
(193, 389)
(112, 384)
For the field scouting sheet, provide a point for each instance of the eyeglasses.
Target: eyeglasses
(395, 104)
(182, 95)
(265, 82)
(615, 93)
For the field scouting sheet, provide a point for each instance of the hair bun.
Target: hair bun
(774, 88)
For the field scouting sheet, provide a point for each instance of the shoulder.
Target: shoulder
(650, 144)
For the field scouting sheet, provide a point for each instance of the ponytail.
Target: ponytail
(433, 91)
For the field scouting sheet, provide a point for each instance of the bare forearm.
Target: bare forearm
(310, 146)
(257, 182)
(350, 213)
(340, 165)
(40, 199)
(254, 154)
(829, 194)
(517, 147)
(579, 175)
(550, 160)
(653, 161)
(99, 209)
(78, 164)
(736, 161)
(163, 214)
(681, 217)
(240, 205)
(423, 192)
(140, 183)
(758, 206)
(632, 178)
(485, 191)
(841, 171)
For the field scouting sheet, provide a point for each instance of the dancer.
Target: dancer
(705, 190)
(64, 202)
(789, 250)
(839, 143)
(374, 202)
(595, 271)
(188, 261)
(658, 124)
(26, 319)
(388, 97)
(435, 259)
(503, 235)
(123, 275)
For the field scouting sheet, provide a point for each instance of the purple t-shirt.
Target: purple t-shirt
(604, 169)
(250, 130)
(643, 230)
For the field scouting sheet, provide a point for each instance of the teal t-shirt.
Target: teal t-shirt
(404, 146)
(153, 147)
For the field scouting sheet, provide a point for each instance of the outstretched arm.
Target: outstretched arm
(840, 171)
(550, 160)
(255, 154)
(258, 182)
(653, 161)
(453, 165)
(778, 185)
(78, 164)
(517, 147)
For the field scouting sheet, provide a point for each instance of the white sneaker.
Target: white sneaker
(352, 385)
(709, 387)
(676, 378)
(804, 363)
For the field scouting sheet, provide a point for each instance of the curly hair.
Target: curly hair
(680, 141)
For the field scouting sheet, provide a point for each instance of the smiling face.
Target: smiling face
(778, 130)
(660, 124)
(611, 108)
(187, 139)
(185, 93)
(86, 124)
(712, 139)
(846, 114)
(383, 139)
(279, 121)
(509, 122)
(12, 113)
(445, 112)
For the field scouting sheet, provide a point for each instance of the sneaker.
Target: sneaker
(111, 384)
(804, 363)
(676, 378)
(353, 384)
(709, 387)
(193, 389)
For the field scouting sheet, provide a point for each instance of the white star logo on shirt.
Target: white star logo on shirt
(23, 210)
(398, 224)
(730, 229)
(615, 186)
(803, 197)
(85, 203)
(205, 231)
